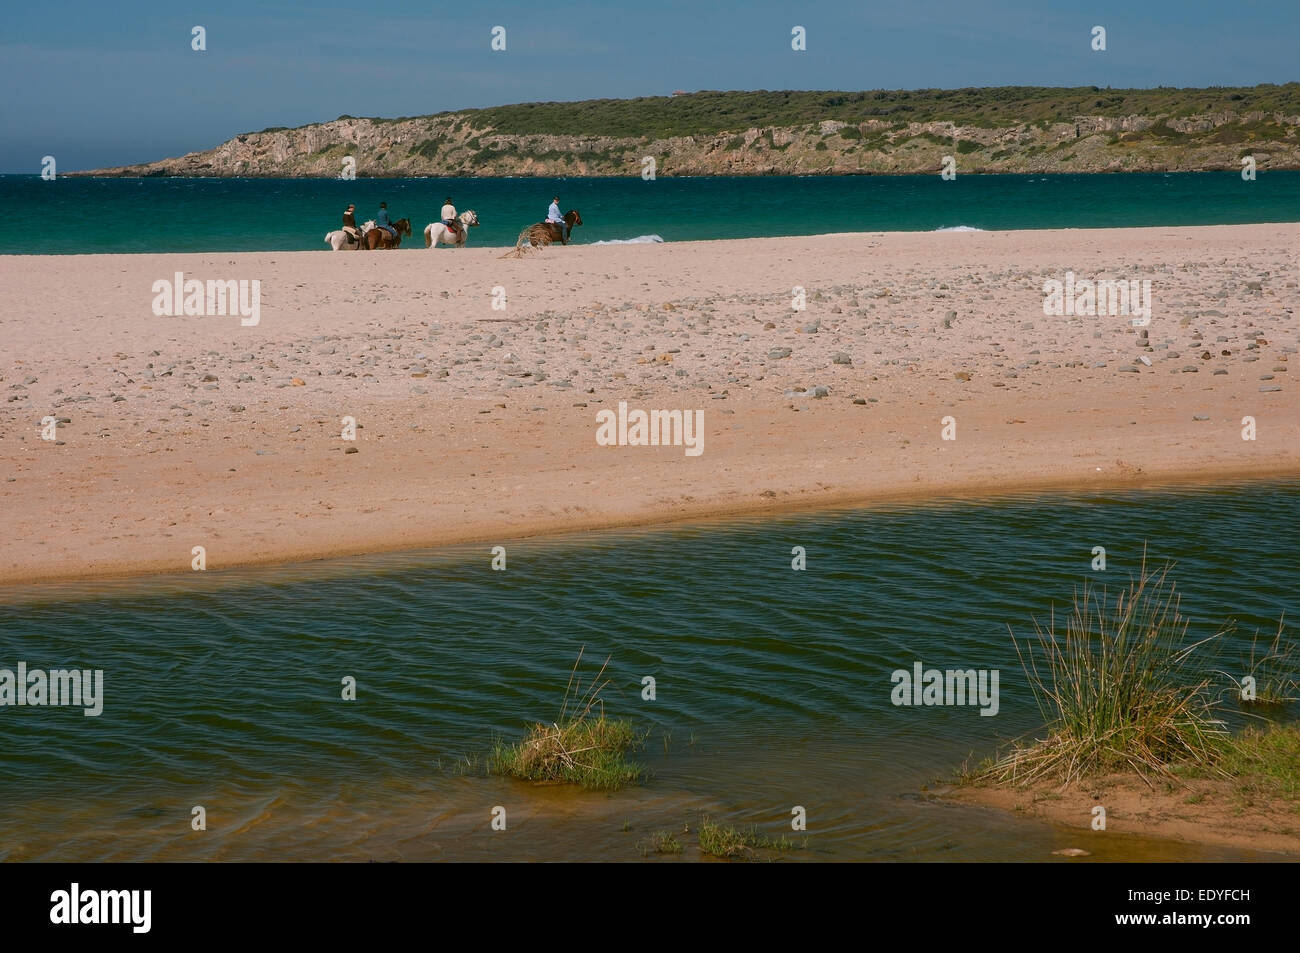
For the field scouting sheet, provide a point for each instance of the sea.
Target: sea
(225, 694)
(103, 215)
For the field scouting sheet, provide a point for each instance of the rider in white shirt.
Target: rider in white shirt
(553, 215)
(449, 215)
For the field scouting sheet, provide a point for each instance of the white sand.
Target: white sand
(157, 460)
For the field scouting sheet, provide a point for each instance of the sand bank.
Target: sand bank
(1202, 811)
(479, 423)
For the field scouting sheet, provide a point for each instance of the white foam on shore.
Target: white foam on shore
(959, 228)
(639, 240)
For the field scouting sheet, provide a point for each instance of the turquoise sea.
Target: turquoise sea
(84, 215)
(223, 689)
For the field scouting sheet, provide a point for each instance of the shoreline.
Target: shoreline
(953, 495)
(412, 243)
(1239, 801)
(1201, 813)
(477, 425)
(848, 173)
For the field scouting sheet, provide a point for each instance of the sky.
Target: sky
(97, 84)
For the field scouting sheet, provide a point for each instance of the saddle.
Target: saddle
(354, 234)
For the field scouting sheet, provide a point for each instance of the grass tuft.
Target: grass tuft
(1275, 673)
(662, 843)
(1264, 762)
(1118, 688)
(581, 747)
(733, 843)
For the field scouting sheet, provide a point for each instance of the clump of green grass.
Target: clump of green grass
(582, 746)
(1117, 688)
(730, 843)
(662, 843)
(1265, 761)
(1275, 674)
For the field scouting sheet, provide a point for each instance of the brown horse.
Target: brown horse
(571, 218)
(378, 238)
(543, 233)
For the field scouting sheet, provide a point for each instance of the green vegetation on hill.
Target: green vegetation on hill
(709, 113)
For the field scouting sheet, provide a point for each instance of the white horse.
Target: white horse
(437, 233)
(339, 239)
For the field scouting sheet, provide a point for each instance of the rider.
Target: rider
(381, 220)
(553, 215)
(449, 216)
(350, 223)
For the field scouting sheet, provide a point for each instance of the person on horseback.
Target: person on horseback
(350, 224)
(554, 217)
(381, 221)
(449, 217)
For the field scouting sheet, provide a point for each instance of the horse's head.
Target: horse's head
(403, 226)
(468, 218)
(573, 217)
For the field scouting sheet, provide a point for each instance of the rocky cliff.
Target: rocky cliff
(474, 143)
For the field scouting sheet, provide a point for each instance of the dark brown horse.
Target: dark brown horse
(571, 218)
(542, 234)
(378, 238)
(547, 232)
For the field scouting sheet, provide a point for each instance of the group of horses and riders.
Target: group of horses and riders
(453, 229)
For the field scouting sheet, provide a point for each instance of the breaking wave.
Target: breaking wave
(639, 240)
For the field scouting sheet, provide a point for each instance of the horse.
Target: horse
(543, 233)
(436, 232)
(339, 239)
(375, 237)
(553, 230)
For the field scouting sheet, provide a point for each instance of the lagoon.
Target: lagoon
(773, 686)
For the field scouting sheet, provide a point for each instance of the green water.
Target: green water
(80, 215)
(223, 689)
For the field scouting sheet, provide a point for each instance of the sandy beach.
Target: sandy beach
(1202, 811)
(477, 423)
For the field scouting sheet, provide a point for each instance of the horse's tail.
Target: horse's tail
(518, 250)
(428, 239)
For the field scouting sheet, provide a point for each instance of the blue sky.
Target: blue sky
(97, 83)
